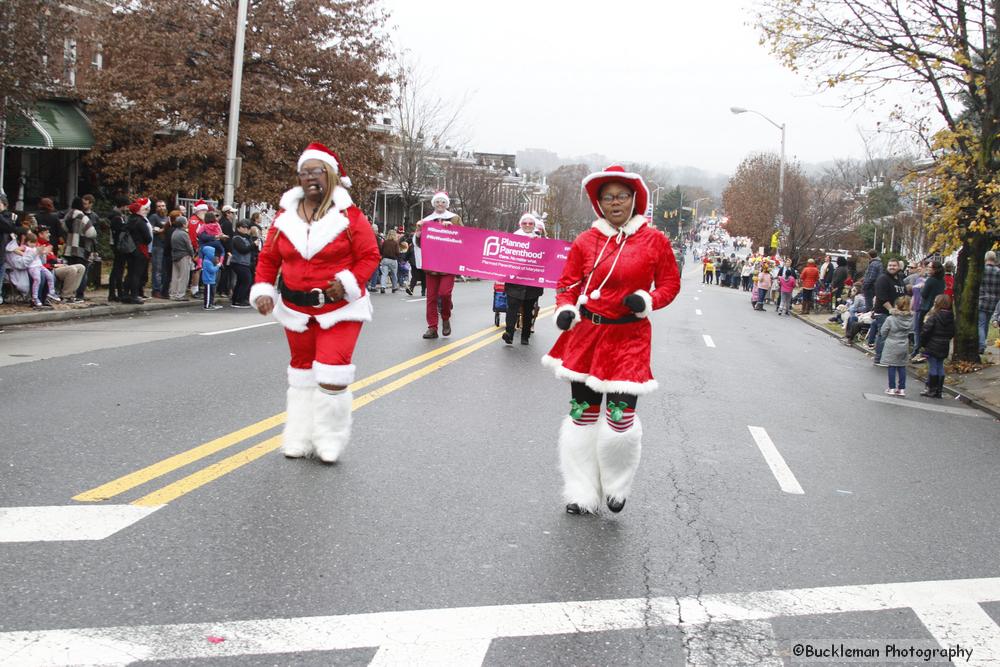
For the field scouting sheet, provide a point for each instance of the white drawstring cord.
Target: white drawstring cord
(582, 299)
(596, 294)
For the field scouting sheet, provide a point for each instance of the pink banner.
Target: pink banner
(492, 255)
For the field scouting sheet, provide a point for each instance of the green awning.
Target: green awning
(51, 125)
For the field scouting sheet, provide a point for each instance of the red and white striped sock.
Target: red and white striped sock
(628, 417)
(589, 416)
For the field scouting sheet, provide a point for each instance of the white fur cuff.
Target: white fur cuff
(352, 291)
(648, 298)
(568, 308)
(335, 375)
(263, 289)
(301, 377)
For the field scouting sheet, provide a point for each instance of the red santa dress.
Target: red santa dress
(605, 265)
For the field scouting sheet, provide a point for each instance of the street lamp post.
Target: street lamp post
(781, 164)
(234, 103)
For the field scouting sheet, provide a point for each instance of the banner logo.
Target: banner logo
(492, 246)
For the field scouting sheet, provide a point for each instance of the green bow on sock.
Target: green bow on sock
(617, 410)
(576, 410)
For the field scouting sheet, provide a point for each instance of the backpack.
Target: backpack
(126, 244)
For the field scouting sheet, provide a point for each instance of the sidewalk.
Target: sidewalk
(980, 389)
(96, 305)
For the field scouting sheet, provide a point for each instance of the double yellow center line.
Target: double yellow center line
(464, 346)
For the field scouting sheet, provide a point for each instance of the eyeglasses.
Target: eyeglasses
(315, 171)
(621, 196)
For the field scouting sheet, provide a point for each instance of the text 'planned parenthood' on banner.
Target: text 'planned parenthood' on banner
(492, 255)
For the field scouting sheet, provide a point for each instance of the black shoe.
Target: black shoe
(524, 341)
(113, 297)
(507, 338)
(445, 327)
(430, 333)
(408, 291)
(616, 506)
(573, 508)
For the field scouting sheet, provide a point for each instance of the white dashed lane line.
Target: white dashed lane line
(708, 340)
(780, 469)
(697, 311)
(225, 331)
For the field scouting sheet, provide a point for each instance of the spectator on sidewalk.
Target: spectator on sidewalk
(226, 275)
(949, 279)
(70, 276)
(939, 329)
(137, 228)
(839, 280)
(763, 285)
(826, 272)
(182, 257)
(37, 272)
(160, 223)
(895, 351)
(933, 287)
(746, 275)
(989, 296)
(914, 285)
(888, 288)
(241, 257)
(872, 273)
(209, 274)
(48, 217)
(390, 261)
(81, 241)
(787, 284)
(8, 226)
(810, 278)
(116, 221)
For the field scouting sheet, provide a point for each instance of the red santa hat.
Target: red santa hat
(441, 194)
(139, 204)
(317, 151)
(616, 174)
(200, 206)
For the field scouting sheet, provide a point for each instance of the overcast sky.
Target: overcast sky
(637, 81)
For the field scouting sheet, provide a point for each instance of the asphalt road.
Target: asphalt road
(440, 538)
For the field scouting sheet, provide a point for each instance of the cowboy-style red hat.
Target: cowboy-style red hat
(317, 151)
(616, 174)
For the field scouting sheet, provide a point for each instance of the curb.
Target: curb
(968, 399)
(93, 311)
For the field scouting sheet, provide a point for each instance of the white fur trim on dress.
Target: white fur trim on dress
(648, 298)
(294, 320)
(263, 289)
(579, 466)
(630, 227)
(309, 239)
(618, 456)
(335, 375)
(301, 377)
(598, 385)
(568, 308)
(352, 291)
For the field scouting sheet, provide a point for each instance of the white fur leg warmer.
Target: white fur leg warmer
(578, 464)
(296, 440)
(331, 423)
(618, 455)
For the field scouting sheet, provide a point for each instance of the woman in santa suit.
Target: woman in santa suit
(325, 250)
(617, 273)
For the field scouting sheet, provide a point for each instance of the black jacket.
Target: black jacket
(117, 223)
(139, 229)
(937, 333)
(933, 287)
(887, 289)
(839, 277)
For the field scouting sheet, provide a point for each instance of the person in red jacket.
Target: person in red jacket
(325, 249)
(810, 278)
(603, 303)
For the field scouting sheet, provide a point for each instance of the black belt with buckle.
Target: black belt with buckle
(314, 297)
(600, 319)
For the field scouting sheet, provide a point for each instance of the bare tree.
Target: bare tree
(423, 123)
(475, 188)
(567, 205)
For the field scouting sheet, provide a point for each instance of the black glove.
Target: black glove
(565, 320)
(635, 303)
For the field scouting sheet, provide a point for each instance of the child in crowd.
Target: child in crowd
(209, 275)
(404, 265)
(37, 270)
(763, 286)
(935, 338)
(896, 331)
(209, 234)
(787, 285)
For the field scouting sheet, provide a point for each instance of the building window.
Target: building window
(97, 61)
(69, 62)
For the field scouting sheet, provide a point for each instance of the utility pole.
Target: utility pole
(234, 103)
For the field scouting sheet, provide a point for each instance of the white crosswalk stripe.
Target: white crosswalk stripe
(461, 636)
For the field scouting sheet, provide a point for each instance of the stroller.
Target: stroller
(499, 302)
